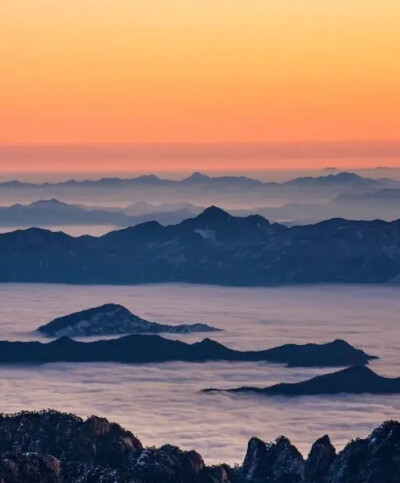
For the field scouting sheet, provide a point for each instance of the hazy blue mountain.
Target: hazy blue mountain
(52, 211)
(339, 179)
(145, 208)
(197, 189)
(203, 179)
(386, 195)
(44, 213)
(381, 204)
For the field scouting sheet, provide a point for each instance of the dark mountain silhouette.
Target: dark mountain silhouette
(111, 319)
(153, 348)
(353, 380)
(335, 353)
(214, 247)
(53, 447)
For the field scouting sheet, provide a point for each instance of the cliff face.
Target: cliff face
(52, 447)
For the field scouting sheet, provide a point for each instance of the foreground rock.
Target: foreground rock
(153, 348)
(52, 447)
(112, 319)
(32, 467)
(279, 461)
(352, 380)
(67, 436)
(373, 459)
(319, 461)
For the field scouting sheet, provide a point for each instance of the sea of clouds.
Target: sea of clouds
(162, 403)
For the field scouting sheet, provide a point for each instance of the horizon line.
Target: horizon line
(189, 157)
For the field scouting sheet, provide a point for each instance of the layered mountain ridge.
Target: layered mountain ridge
(214, 248)
(153, 348)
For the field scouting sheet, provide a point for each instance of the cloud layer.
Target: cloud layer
(161, 403)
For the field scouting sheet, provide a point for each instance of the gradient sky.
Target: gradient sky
(91, 72)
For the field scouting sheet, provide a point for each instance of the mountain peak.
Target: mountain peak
(147, 178)
(358, 371)
(197, 178)
(213, 213)
(348, 176)
(48, 203)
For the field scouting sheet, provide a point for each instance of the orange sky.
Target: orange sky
(198, 71)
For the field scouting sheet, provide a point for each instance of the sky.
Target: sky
(122, 76)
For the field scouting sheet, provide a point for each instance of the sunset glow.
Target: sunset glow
(189, 71)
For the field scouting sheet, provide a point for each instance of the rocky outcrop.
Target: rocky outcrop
(153, 348)
(67, 436)
(319, 461)
(279, 461)
(169, 464)
(29, 467)
(52, 447)
(112, 319)
(373, 459)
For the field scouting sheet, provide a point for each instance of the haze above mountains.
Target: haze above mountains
(118, 202)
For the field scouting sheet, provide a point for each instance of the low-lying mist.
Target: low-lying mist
(161, 402)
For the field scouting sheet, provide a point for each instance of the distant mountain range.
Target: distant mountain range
(339, 179)
(213, 247)
(336, 179)
(50, 212)
(198, 189)
(381, 204)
